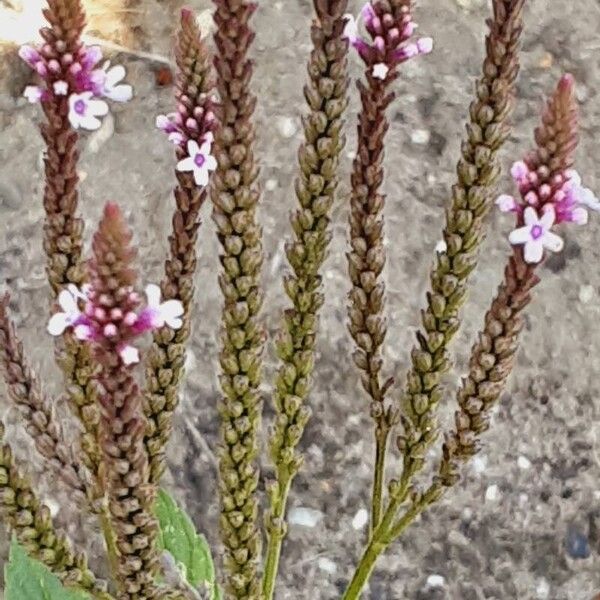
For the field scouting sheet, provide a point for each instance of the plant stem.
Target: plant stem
(276, 534)
(381, 440)
(364, 569)
(110, 540)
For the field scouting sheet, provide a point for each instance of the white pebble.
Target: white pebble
(205, 21)
(586, 293)
(479, 464)
(286, 126)
(305, 517)
(542, 589)
(360, 519)
(420, 136)
(492, 493)
(270, 185)
(52, 505)
(435, 581)
(327, 565)
(523, 463)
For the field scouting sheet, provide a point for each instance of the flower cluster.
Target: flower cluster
(78, 78)
(183, 133)
(390, 38)
(98, 321)
(545, 201)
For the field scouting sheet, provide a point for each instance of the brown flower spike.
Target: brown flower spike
(40, 421)
(32, 525)
(122, 425)
(472, 196)
(326, 96)
(166, 359)
(493, 355)
(235, 197)
(390, 26)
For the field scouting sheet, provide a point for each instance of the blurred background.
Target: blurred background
(524, 522)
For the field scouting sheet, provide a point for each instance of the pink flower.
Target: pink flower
(70, 315)
(61, 88)
(380, 70)
(84, 111)
(506, 203)
(33, 93)
(535, 235)
(199, 161)
(163, 313)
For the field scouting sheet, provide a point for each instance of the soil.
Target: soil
(524, 522)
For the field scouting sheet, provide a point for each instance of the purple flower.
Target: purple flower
(199, 161)
(535, 235)
(84, 111)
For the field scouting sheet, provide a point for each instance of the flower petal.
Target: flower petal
(170, 311)
(114, 75)
(548, 217)
(351, 28)
(67, 302)
(205, 148)
(187, 164)
(519, 171)
(201, 176)
(193, 148)
(153, 295)
(83, 332)
(58, 323)
(552, 241)
(531, 216)
(211, 163)
(90, 123)
(98, 108)
(120, 93)
(520, 236)
(425, 45)
(533, 251)
(579, 215)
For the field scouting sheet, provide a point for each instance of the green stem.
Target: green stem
(276, 532)
(381, 440)
(364, 569)
(110, 540)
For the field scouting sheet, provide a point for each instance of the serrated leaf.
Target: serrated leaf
(189, 548)
(28, 579)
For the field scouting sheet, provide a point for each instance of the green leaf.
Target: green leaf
(28, 579)
(189, 549)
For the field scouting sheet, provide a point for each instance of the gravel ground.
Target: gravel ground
(524, 522)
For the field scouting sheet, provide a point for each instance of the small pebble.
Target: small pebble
(327, 565)
(542, 589)
(286, 126)
(420, 136)
(586, 293)
(305, 517)
(205, 21)
(524, 463)
(479, 464)
(360, 519)
(270, 185)
(577, 544)
(435, 581)
(492, 493)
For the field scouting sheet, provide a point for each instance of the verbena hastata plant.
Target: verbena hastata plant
(113, 470)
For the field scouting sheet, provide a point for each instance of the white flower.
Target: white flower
(536, 234)
(33, 93)
(84, 111)
(169, 312)
(129, 354)
(351, 28)
(61, 88)
(380, 70)
(111, 88)
(67, 300)
(199, 161)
